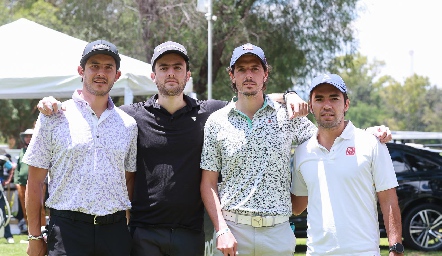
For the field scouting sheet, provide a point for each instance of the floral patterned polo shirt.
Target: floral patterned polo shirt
(86, 157)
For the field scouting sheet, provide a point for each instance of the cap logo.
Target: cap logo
(100, 46)
(247, 47)
(325, 78)
(159, 49)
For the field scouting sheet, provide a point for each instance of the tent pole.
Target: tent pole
(128, 95)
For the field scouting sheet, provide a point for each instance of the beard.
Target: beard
(171, 91)
(329, 124)
(94, 92)
(249, 93)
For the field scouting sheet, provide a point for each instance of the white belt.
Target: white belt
(254, 221)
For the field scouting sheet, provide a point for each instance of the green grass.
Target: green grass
(301, 248)
(19, 249)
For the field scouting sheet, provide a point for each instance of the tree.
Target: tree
(406, 103)
(361, 78)
(17, 116)
(297, 36)
(432, 113)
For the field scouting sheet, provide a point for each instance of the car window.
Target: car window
(399, 162)
(419, 164)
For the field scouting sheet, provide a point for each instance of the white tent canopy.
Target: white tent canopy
(37, 61)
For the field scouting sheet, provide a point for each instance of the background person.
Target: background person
(5, 178)
(342, 172)
(21, 179)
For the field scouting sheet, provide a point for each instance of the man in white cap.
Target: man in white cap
(88, 150)
(248, 142)
(342, 172)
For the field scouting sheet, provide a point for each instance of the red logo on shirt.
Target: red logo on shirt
(350, 151)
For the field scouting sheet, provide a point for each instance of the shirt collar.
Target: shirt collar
(190, 103)
(77, 98)
(267, 102)
(346, 134)
(348, 131)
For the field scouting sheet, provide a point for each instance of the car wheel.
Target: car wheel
(422, 228)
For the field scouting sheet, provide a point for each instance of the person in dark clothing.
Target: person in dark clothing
(7, 170)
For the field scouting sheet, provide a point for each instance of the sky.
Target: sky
(405, 34)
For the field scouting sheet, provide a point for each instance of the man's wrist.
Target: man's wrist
(39, 237)
(222, 232)
(397, 248)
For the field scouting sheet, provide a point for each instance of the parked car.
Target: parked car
(419, 174)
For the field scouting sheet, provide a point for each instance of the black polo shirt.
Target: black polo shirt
(167, 181)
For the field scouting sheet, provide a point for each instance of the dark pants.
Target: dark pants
(75, 237)
(3, 203)
(167, 242)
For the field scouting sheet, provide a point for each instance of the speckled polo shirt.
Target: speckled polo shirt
(253, 157)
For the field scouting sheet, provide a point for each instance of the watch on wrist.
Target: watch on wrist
(397, 247)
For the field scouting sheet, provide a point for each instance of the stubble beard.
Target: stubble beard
(330, 124)
(249, 93)
(94, 92)
(172, 91)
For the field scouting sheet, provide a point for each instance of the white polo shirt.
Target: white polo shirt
(86, 157)
(341, 186)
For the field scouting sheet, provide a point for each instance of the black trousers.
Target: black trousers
(78, 238)
(156, 241)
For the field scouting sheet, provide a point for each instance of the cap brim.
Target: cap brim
(185, 57)
(113, 55)
(251, 53)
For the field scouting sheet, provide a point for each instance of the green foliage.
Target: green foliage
(360, 78)
(365, 115)
(406, 103)
(17, 116)
(432, 117)
(299, 38)
(374, 99)
(115, 21)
